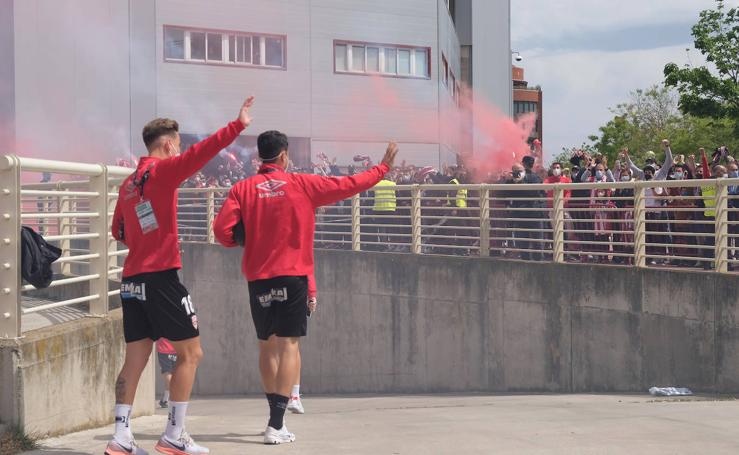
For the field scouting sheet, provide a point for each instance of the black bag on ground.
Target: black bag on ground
(36, 258)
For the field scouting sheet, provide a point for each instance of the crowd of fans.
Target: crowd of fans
(598, 223)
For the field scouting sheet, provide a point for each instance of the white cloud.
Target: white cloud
(579, 88)
(552, 19)
(580, 85)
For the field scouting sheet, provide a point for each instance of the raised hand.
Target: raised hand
(244, 117)
(390, 153)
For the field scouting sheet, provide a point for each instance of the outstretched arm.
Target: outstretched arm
(635, 170)
(664, 171)
(329, 190)
(183, 166)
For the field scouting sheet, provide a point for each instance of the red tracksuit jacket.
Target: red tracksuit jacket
(159, 250)
(278, 212)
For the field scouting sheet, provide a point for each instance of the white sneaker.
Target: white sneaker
(182, 446)
(116, 447)
(272, 436)
(295, 405)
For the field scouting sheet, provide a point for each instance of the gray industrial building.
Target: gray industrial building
(81, 77)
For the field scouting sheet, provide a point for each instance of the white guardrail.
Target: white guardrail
(692, 224)
(72, 212)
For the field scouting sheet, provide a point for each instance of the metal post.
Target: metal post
(722, 231)
(65, 228)
(356, 228)
(484, 221)
(99, 225)
(211, 215)
(640, 229)
(10, 251)
(416, 220)
(558, 225)
(113, 259)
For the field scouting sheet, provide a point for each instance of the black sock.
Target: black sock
(270, 400)
(277, 410)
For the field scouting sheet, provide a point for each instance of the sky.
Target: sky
(589, 54)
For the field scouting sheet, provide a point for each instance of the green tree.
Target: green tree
(711, 92)
(648, 117)
(639, 124)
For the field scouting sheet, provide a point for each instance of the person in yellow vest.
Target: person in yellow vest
(708, 202)
(458, 200)
(383, 213)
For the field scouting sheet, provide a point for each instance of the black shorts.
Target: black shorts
(166, 362)
(157, 305)
(279, 306)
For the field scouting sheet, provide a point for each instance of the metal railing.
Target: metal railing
(72, 213)
(685, 224)
(688, 224)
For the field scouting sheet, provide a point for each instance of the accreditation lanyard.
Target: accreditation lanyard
(144, 209)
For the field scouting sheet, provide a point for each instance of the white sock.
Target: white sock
(176, 419)
(165, 397)
(296, 391)
(122, 424)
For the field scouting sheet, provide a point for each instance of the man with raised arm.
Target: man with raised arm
(155, 304)
(277, 210)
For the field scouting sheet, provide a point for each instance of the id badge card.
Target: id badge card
(147, 219)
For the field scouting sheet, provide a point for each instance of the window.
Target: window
(444, 71)
(197, 46)
(391, 60)
(404, 61)
(230, 48)
(174, 44)
(273, 51)
(256, 50)
(358, 58)
(340, 57)
(524, 107)
(215, 46)
(421, 65)
(373, 60)
(239, 49)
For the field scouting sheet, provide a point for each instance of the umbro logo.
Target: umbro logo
(270, 185)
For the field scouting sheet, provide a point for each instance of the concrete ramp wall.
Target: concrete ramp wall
(415, 324)
(61, 378)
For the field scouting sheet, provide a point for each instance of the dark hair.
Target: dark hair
(270, 144)
(528, 161)
(556, 162)
(157, 128)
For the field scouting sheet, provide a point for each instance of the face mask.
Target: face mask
(517, 174)
(679, 175)
(648, 176)
(598, 175)
(734, 174)
(625, 178)
(557, 172)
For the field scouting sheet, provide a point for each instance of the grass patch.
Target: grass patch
(14, 441)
